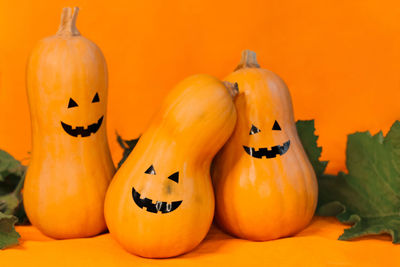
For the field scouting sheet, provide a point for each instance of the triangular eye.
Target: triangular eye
(96, 98)
(174, 177)
(151, 170)
(72, 103)
(254, 130)
(276, 126)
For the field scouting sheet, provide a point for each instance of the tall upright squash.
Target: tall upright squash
(71, 164)
(160, 203)
(265, 186)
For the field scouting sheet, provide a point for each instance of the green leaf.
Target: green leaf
(9, 166)
(8, 235)
(127, 146)
(305, 130)
(368, 197)
(12, 174)
(9, 203)
(372, 226)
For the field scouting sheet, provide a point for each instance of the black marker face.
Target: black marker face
(72, 103)
(254, 130)
(156, 206)
(96, 98)
(264, 151)
(82, 130)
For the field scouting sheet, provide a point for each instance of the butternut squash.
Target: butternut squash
(160, 203)
(265, 186)
(71, 165)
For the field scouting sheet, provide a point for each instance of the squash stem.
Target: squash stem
(233, 88)
(68, 22)
(248, 60)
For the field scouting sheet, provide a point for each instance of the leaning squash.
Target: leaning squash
(160, 203)
(265, 186)
(71, 165)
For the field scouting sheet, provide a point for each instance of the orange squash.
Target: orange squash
(265, 186)
(160, 203)
(71, 165)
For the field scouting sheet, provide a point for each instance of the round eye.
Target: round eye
(276, 126)
(72, 103)
(96, 98)
(174, 177)
(254, 130)
(151, 170)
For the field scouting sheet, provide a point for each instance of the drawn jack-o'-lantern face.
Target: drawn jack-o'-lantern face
(264, 151)
(83, 131)
(156, 206)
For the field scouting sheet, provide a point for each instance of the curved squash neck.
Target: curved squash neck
(68, 22)
(248, 60)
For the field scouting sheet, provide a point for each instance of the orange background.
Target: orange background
(340, 58)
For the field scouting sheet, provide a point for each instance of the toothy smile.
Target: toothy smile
(164, 207)
(80, 130)
(268, 153)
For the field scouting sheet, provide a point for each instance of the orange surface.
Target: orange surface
(340, 59)
(317, 245)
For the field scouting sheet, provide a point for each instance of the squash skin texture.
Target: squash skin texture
(262, 199)
(194, 122)
(68, 176)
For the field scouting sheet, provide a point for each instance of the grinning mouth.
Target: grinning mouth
(80, 130)
(268, 153)
(164, 207)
